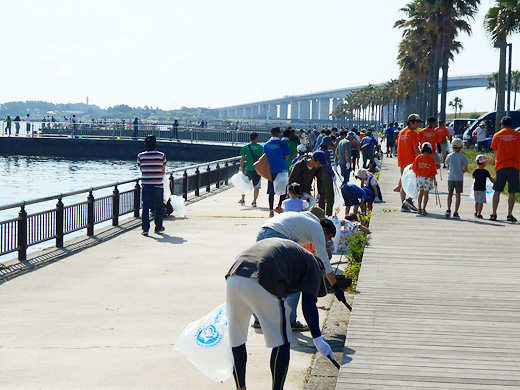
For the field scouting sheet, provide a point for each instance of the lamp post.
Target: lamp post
(502, 45)
(510, 45)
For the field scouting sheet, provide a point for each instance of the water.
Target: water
(26, 178)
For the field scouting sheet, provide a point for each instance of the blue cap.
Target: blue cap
(351, 133)
(319, 156)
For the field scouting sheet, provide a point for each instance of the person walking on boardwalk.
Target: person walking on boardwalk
(407, 150)
(308, 227)
(152, 164)
(444, 135)
(327, 197)
(429, 134)
(250, 154)
(457, 163)
(343, 152)
(278, 153)
(305, 171)
(425, 168)
(507, 166)
(8, 121)
(480, 175)
(260, 281)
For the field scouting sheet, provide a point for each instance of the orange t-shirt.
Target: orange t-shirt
(444, 133)
(430, 135)
(424, 166)
(406, 141)
(507, 144)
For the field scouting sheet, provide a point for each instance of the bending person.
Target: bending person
(259, 281)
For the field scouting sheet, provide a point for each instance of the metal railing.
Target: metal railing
(119, 130)
(18, 234)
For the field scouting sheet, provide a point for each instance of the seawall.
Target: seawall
(116, 149)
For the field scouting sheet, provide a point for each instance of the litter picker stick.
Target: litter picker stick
(348, 306)
(336, 364)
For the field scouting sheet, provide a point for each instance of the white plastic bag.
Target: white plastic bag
(489, 191)
(338, 198)
(336, 238)
(409, 182)
(205, 343)
(178, 205)
(241, 183)
(280, 183)
(166, 188)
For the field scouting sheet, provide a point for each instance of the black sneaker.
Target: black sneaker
(299, 327)
(409, 203)
(447, 214)
(144, 233)
(456, 216)
(405, 209)
(160, 230)
(256, 325)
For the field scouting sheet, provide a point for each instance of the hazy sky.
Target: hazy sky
(173, 53)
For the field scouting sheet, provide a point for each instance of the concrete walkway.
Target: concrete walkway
(108, 316)
(438, 303)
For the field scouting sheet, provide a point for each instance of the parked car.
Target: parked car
(489, 119)
(460, 125)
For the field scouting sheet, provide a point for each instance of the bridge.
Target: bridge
(319, 105)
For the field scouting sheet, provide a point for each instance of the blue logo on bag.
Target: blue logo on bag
(210, 335)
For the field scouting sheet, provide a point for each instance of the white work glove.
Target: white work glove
(348, 165)
(322, 346)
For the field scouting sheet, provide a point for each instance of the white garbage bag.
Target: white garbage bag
(280, 183)
(338, 198)
(166, 188)
(409, 182)
(489, 191)
(241, 183)
(337, 224)
(206, 344)
(178, 205)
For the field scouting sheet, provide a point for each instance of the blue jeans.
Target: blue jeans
(345, 173)
(152, 199)
(266, 232)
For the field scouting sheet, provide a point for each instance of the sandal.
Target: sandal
(493, 217)
(510, 218)
(424, 212)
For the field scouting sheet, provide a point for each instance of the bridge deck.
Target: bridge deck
(439, 300)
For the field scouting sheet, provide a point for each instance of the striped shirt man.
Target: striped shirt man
(152, 164)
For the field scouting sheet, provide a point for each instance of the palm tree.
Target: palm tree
(515, 84)
(456, 103)
(492, 84)
(501, 21)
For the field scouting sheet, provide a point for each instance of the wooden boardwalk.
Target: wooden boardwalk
(438, 303)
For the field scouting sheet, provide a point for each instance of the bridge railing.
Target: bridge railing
(116, 131)
(28, 229)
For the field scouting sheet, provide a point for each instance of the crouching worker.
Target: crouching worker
(259, 281)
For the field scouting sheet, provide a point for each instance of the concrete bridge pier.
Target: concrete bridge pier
(284, 108)
(304, 109)
(273, 110)
(324, 109)
(294, 109)
(315, 110)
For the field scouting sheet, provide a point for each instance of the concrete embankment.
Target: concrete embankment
(110, 148)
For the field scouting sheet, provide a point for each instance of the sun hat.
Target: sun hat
(362, 174)
(319, 156)
(481, 159)
(301, 148)
(317, 211)
(426, 146)
(414, 117)
(327, 140)
(456, 143)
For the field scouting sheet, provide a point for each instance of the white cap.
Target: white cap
(301, 148)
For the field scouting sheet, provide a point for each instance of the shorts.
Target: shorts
(245, 296)
(354, 154)
(254, 177)
(455, 186)
(390, 144)
(270, 184)
(480, 196)
(444, 149)
(509, 175)
(425, 183)
(437, 159)
(349, 196)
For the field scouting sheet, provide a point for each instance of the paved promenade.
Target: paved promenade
(108, 316)
(438, 303)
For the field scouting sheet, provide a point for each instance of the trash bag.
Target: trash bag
(206, 344)
(337, 224)
(166, 188)
(241, 183)
(280, 183)
(409, 182)
(489, 191)
(178, 205)
(338, 198)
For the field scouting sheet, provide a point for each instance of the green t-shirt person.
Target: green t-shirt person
(292, 149)
(246, 150)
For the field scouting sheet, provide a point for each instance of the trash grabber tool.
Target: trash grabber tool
(336, 364)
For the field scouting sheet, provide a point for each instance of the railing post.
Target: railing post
(22, 234)
(171, 183)
(227, 173)
(115, 207)
(218, 175)
(185, 185)
(59, 223)
(90, 214)
(137, 199)
(208, 182)
(191, 135)
(197, 181)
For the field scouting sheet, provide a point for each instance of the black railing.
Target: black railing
(18, 234)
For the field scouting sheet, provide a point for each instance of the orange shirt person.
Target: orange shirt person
(425, 169)
(407, 150)
(507, 166)
(444, 133)
(431, 135)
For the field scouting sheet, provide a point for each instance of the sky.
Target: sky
(207, 53)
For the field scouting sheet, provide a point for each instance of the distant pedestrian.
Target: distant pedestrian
(507, 166)
(390, 139)
(17, 121)
(368, 148)
(152, 164)
(444, 135)
(429, 134)
(136, 128)
(354, 148)
(176, 130)
(278, 153)
(295, 203)
(425, 169)
(305, 171)
(326, 201)
(250, 154)
(480, 175)
(457, 163)
(28, 125)
(481, 133)
(343, 152)
(407, 150)
(8, 121)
